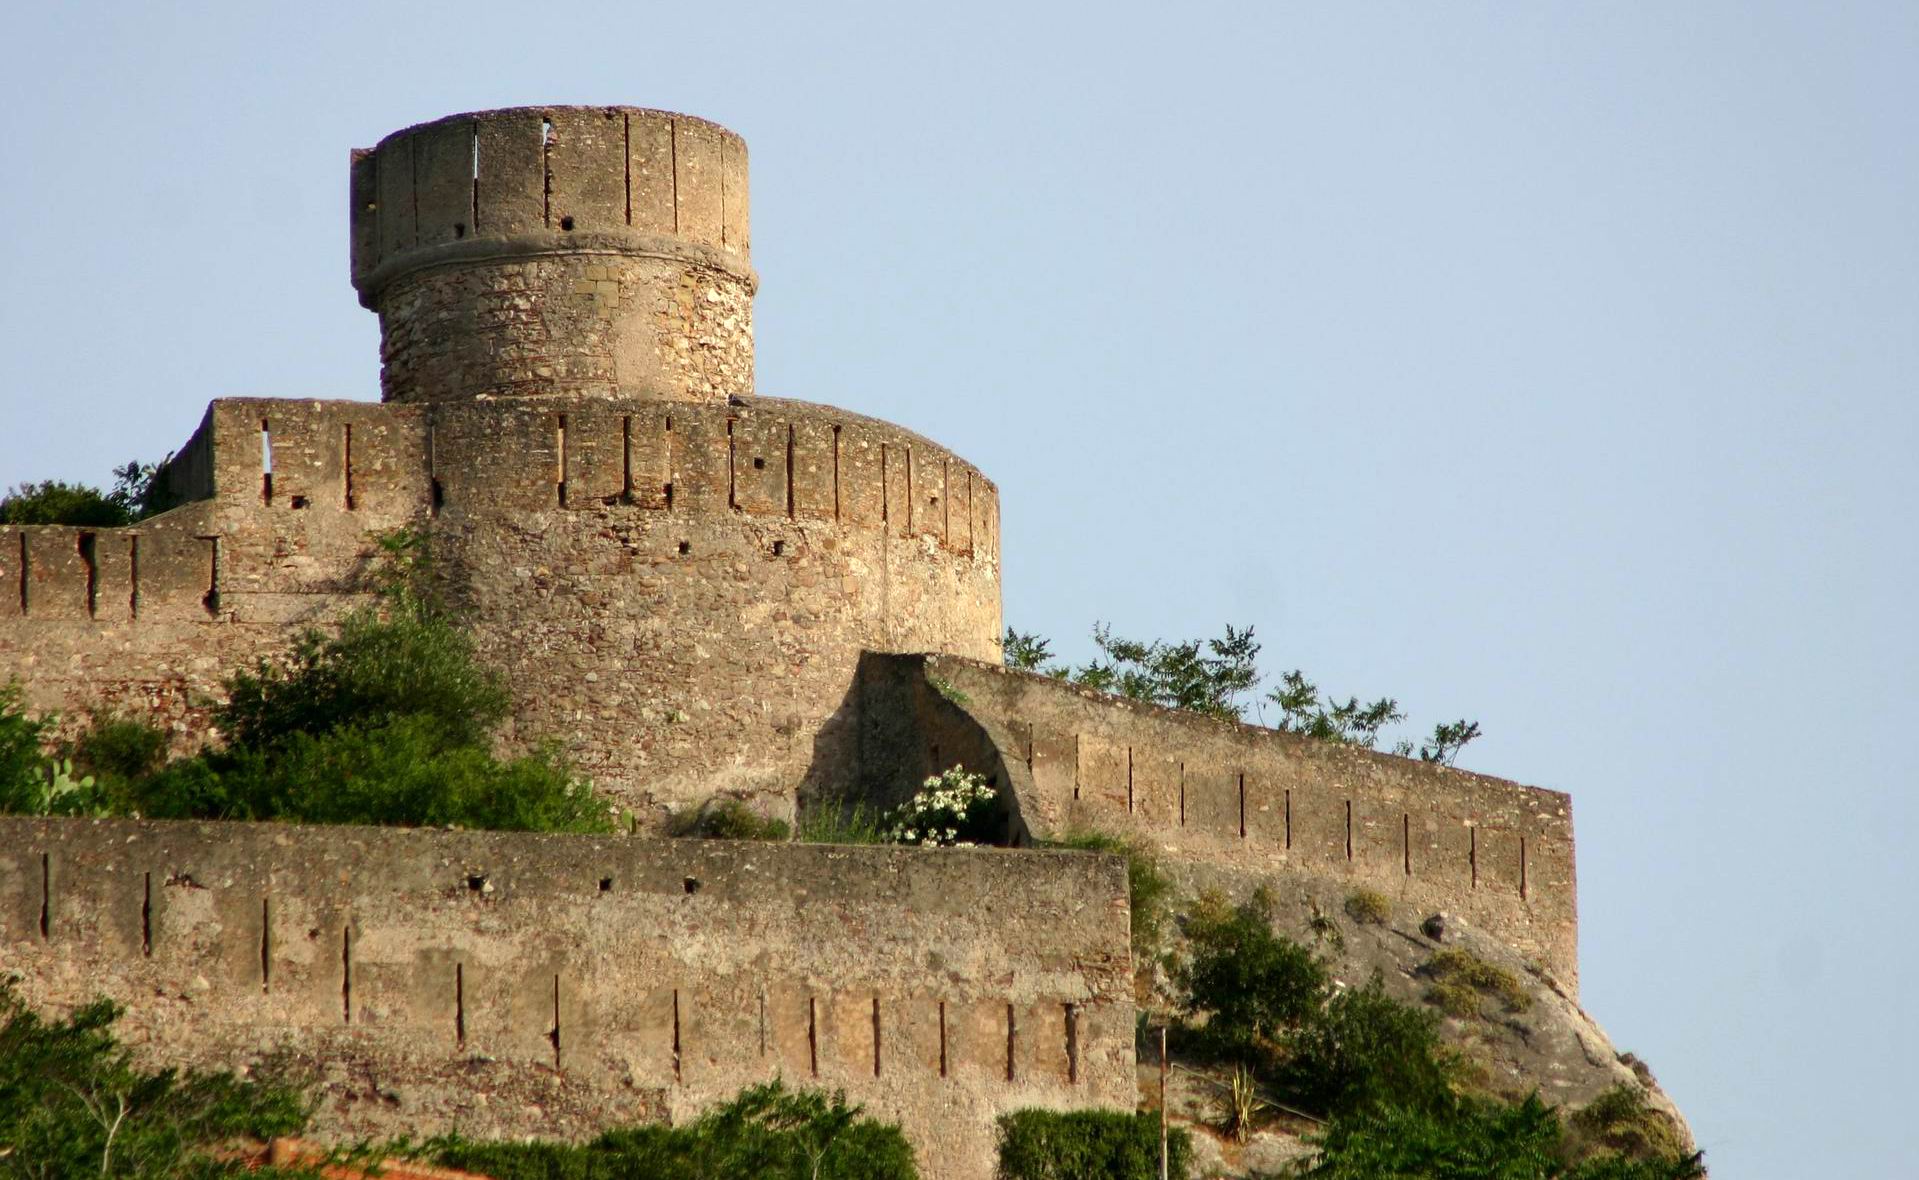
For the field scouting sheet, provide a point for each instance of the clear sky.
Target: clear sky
(1552, 365)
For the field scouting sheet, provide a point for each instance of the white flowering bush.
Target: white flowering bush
(950, 810)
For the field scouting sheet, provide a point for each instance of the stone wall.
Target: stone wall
(1239, 801)
(515, 985)
(679, 594)
(557, 252)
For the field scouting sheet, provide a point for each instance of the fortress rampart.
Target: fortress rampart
(679, 593)
(1237, 800)
(516, 985)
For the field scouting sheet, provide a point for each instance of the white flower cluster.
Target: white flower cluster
(943, 807)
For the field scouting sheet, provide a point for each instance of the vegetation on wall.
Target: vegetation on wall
(74, 1104)
(387, 719)
(1109, 1144)
(767, 1131)
(135, 495)
(1214, 676)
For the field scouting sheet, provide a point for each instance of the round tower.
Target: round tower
(596, 252)
(679, 586)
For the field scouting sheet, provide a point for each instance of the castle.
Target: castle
(699, 592)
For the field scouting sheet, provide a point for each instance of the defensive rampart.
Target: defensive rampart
(1248, 801)
(516, 985)
(677, 593)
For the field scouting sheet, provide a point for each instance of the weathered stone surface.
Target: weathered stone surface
(517, 984)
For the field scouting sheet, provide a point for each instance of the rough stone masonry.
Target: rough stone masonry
(697, 592)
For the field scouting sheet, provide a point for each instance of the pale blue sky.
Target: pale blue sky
(1547, 364)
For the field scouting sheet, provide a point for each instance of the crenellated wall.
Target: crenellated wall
(677, 593)
(1244, 801)
(513, 985)
(557, 252)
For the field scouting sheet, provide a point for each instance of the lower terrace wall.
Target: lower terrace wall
(511, 984)
(1238, 798)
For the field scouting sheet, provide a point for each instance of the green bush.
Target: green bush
(73, 1104)
(1147, 888)
(1622, 1122)
(22, 759)
(401, 773)
(767, 1131)
(381, 665)
(1461, 981)
(1252, 984)
(1473, 1139)
(1369, 906)
(728, 818)
(1088, 1145)
(135, 496)
(1363, 1049)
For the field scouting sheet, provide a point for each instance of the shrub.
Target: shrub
(21, 759)
(1621, 1121)
(1475, 1138)
(727, 818)
(73, 1103)
(1363, 1049)
(118, 750)
(1461, 980)
(408, 663)
(135, 496)
(767, 1131)
(1069, 1145)
(1251, 983)
(401, 773)
(956, 809)
(1369, 906)
(1147, 887)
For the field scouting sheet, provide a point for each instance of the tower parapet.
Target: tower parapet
(557, 251)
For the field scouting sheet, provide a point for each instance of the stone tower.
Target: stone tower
(557, 252)
(679, 580)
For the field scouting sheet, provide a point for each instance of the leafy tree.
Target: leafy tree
(1252, 984)
(73, 1104)
(1366, 1050)
(1026, 653)
(135, 496)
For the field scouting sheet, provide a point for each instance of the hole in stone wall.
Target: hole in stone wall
(566, 223)
(759, 464)
(676, 1034)
(476, 882)
(459, 1004)
(686, 547)
(266, 462)
(942, 1038)
(692, 884)
(606, 884)
(87, 556)
(146, 918)
(813, 1036)
(779, 548)
(459, 229)
(299, 502)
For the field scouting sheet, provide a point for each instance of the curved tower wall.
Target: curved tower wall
(557, 252)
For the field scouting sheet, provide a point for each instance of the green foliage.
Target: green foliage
(135, 496)
(118, 750)
(402, 773)
(1147, 887)
(727, 818)
(1473, 1139)
(1253, 985)
(767, 1131)
(953, 809)
(1303, 710)
(1622, 1122)
(841, 821)
(73, 1104)
(22, 763)
(1363, 1049)
(1461, 980)
(377, 668)
(1211, 676)
(1088, 1144)
(1369, 906)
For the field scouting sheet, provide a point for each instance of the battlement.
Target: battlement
(1238, 800)
(621, 979)
(545, 251)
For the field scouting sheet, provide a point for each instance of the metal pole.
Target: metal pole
(1162, 1103)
